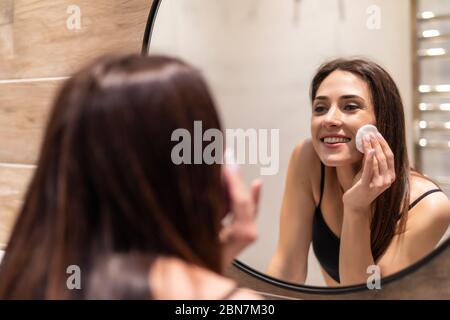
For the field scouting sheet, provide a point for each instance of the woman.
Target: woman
(106, 186)
(357, 210)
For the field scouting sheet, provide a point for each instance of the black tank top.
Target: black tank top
(325, 243)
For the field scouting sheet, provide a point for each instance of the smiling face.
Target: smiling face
(341, 106)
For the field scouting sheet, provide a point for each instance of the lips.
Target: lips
(334, 139)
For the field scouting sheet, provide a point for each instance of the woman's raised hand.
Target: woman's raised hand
(242, 229)
(376, 176)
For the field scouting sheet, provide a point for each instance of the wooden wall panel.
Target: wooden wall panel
(24, 109)
(36, 42)
(13, 183)
(6, 12)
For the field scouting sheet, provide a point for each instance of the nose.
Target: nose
(332, 118)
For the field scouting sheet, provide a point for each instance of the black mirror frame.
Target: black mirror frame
(280, 283)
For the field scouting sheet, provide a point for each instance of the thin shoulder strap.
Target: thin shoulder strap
(230, 293)
(322, 181)
(423, 196)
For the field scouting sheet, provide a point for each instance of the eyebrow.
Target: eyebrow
(351, 96)
(344, 97)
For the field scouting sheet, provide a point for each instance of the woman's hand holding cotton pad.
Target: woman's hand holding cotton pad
(366, 129)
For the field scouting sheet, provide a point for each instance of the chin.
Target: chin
(339, 160)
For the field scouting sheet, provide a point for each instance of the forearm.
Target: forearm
(286, 270)
(355, 250)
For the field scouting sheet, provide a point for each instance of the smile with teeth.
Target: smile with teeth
(335, 140)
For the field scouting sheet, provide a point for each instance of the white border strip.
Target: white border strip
(9, 81)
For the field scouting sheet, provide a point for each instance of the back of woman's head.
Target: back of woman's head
(105, 181)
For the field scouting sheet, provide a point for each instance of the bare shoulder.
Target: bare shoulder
(173, 279)
(431, 213)
(436, 202)
(426, 225)
(305, 166)
(245, 294)
(304, 154)
(305, 162)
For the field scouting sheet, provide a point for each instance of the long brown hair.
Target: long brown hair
(391, 206)
(105, 182)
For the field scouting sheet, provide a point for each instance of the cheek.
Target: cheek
(369, 118)
(355, 124)
(315, 124)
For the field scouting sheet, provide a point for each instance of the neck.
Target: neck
(346, 174)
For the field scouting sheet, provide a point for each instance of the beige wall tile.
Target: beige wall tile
(13, 183)
(6, 11)
(38, 43)
(24, 109)
(35, 42)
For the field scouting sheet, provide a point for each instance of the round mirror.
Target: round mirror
(260, 58)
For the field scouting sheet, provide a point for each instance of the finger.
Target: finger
(224, 234)
(236, 185)
(366, 143)
(387, 151)
(256, 193)
(240, 198)
(376, 169)
(367, 173)
(379, 154)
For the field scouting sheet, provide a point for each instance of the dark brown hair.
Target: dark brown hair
(105, 182)
(392, 204)
(120, 277)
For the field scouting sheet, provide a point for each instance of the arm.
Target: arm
(355, 253)
(290, 260)
(376, 176)
(425, 226)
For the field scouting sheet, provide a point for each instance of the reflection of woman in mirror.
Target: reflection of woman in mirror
(106, 187)
(356, 209)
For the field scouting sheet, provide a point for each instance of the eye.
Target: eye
(350, 107)
(319, 109)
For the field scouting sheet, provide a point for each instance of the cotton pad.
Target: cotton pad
(368, 128)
